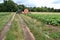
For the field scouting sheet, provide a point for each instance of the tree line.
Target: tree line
(11, 6)
(43, 9)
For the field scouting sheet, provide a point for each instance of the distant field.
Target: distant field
(45, 12)
(4, 17)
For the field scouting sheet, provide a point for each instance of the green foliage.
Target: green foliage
(43, 9)
(55, 35)
(52, 19)
(37, 32)
(21, 7)
(10, 6)
(40, 30)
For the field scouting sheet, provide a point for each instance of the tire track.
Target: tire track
(27, 33)
(6, 28)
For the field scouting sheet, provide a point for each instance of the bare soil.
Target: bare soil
(54, 27)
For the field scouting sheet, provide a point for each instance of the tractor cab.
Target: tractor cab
(19, 11)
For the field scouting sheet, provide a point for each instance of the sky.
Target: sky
(39, 3)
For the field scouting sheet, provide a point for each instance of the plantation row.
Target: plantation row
(40, 30)
(52, 19)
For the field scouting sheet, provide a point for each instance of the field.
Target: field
(52, 19)
(10, 27)
(42, 25)
(4, 17)
(15, 32)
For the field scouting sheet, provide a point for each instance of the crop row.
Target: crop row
(52, 19)
(41, 31)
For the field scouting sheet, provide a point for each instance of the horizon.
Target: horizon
(39, 3)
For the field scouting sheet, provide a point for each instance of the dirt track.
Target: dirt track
(27, 33)
(6, 28)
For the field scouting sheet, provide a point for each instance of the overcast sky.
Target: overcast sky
(39, 3)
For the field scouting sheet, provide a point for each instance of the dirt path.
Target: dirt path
(27, 33)
(54, 27)
(6, 28)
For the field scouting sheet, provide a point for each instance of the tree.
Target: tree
(9, 5)
(21, 7)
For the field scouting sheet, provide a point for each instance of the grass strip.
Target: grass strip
(4, 18)
(15, 32)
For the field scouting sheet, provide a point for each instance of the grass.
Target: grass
(34, 29)
(15, 32)
(40, 30)
(4, 17)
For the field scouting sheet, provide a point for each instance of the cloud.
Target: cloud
(38, 3)
(25, 2)
(48, 3)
